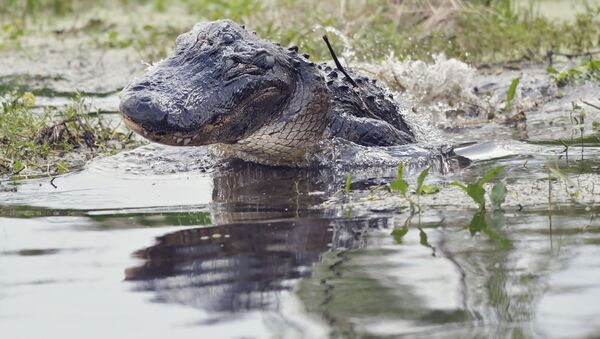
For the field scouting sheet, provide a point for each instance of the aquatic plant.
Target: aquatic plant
(476, 189)
(510, 95)
(400, 185)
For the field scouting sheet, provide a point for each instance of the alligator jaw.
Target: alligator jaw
(176, 139)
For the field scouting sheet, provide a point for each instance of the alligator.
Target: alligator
(256, 100)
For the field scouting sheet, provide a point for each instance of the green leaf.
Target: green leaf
(510, 95)
(62, 167)
(399, 233)
(348, 182)
(112, 35)
(498, 195)
(421, 178)
(28, 99)
(399, 184)
(459, 185)
(17, 166)
(429, 189)
(477, 193)
(551, 70)
(491, 174)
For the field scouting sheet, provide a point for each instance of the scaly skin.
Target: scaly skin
(256, 100)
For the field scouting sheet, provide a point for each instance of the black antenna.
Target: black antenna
(337, 62)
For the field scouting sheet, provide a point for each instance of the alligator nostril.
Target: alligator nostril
(138, 88)
(142, 110)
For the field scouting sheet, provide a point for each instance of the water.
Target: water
(249, 251)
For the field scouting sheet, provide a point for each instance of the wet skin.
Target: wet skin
(256, 100)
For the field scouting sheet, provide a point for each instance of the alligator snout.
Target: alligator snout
(142, 110)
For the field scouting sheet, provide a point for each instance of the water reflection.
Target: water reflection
(266, 241)
(245, 191)
(269, 239)
(267, 234)
(239, 267)
(270, 235)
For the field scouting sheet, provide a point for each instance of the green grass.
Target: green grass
(50, 141)
(473, 31)
(587, 70)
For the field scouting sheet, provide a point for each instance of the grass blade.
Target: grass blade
(510, 95)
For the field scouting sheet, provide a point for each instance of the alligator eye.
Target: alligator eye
(230, 64)
(227, 38)
(267, 62)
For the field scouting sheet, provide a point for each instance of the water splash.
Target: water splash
(347, 51)
(430, 89)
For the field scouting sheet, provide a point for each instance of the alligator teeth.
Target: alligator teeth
(195, 136)
(186, 141)
(179, 140)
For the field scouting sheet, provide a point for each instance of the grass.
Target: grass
(52, 141)
(474, 31)
(587, 70)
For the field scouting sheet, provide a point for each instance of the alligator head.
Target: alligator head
(224, 85)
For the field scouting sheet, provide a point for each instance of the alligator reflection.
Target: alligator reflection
(246, 191)
(267, 236)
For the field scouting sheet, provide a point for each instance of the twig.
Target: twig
(337, 62)
(591, 105)
(575, 55)
(19, 171)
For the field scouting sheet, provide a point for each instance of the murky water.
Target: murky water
(172, 242)
(163, 247)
